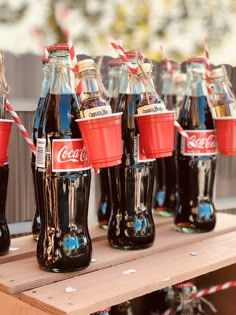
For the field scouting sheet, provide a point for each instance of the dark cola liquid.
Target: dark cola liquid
(4, 231)
(105, 203)
(196, 211)
(104, 207)
(131, 225)
(166, 192)
(64, 243)
(36, 218)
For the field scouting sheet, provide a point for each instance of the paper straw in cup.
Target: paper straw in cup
(123, 57)
(183, 133)
(167, 63)
(21, 127)
(208, 77)
(78, 84)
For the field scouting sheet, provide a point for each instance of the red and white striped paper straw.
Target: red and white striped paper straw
(208, 76)
(75, 68)
(171, 73)
(203, 292)
(21, 127)
(119, 49)
(183, 133)
(167, 63)
(214, 289)
(78, 83)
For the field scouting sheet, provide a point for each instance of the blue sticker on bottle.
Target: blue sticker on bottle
(104, 208)
(138, 225)
(70, 243)
(160, 198)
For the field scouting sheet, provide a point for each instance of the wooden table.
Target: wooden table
(26, 289)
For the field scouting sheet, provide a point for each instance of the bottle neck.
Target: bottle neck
(114, 75)
(89, 84)
(129, 83)
(2, 106)
(61, 78)
(196, 84)
(221, 86)
(45, 80)
(150, 100)
(168, 86)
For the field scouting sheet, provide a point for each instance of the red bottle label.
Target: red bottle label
(204, 142)
(69, 155)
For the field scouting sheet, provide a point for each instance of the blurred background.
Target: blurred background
(180, 25)
(27, 27)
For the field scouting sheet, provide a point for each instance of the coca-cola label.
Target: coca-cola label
(200, 142)
(69, 155)
(97, 111)
(151, 108)
(141, 155)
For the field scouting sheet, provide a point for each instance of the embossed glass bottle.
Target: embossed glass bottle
(131, 225)
(104, 208)
(62, 174)
(196, 165)
(223, 97)
(166, 195)
(44, 90)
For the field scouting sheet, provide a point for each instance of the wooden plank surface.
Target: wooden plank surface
(109, 286)
(25, 246)
(25, 274)
(11, 305)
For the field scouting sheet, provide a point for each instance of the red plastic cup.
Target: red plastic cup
(5, 131)
(226, 135)
(102, 139)
(157, 133)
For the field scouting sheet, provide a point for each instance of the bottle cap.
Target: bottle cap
(60, 46)
(145, 67)
(114, 62)
(187, 284)
(217, 73)
(45, 60)
(86, 64)
(174, 65)
(196, 59)
(133, 54)
(181, 77)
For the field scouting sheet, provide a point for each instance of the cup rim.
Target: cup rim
(6, 120)
(225, 118)
(99, 117)
(154, 113)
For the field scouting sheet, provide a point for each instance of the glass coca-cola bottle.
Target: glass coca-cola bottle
(124, 308)
(131, 224)
(63, 174)
(196, 165)
(44, 90)
(166, 195)
(104, 207)
(4, 168)
(180, 86)
(102, 312)
(223, 97)
(94, 104)
(181, 301)
(114, 76)
(150, 100)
